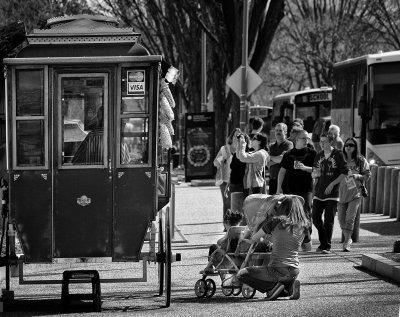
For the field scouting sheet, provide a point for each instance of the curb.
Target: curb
(381, 265)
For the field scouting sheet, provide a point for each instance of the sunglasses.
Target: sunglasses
(350, 145)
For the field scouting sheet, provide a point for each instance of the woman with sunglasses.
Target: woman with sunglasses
(255, 163)
(349, 190)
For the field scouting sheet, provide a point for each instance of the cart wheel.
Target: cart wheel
(237, 291)
(248, 292)
(97, 299)
(227, 291)
(161, 251)
(64, 298)
(200, 288)
(210, 288)
(168, 261)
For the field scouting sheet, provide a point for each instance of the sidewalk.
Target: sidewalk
(331, 285)
(377, 232)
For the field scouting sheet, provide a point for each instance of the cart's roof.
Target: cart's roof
(82, 35)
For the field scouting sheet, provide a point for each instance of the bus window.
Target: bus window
(386, 109)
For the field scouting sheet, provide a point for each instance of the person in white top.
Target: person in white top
(254, 177)
(222, 162)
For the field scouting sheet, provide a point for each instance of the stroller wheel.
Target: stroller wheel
(237, 291)
(210, 288)
(227, 291)
(200, 288)
(248, 292)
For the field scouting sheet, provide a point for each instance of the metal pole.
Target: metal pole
(180, 119)
(6, 114)
(243, 94)
(203, 72)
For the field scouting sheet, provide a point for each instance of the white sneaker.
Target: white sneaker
(346, 246)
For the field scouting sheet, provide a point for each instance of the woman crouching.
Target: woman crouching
(286, 232)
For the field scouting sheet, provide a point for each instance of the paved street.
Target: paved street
(331, 285)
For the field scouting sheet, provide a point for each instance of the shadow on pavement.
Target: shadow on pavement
(387, 228)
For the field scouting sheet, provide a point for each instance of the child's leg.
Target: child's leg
(213, 247)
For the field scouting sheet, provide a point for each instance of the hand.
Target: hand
(279, 191)
(301, 166)
(328, 189)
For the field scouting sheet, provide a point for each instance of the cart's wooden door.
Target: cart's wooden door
(30, 176)
(82, 166)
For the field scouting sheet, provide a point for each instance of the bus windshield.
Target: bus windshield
(386, 98)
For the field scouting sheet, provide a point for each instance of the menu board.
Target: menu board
(200, 145)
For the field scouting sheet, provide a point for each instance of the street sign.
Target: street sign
(235, 81)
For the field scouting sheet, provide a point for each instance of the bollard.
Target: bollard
(398, 200)
(372, 187)
(395, 192)
(380, 187)
(387, 190)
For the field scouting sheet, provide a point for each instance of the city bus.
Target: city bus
(366, 104)
(307, 104)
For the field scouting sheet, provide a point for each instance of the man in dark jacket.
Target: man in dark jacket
(330, 168)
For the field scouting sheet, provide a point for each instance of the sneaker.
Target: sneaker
(318, 250)
(346, 246)
(275, 291)
(295, 291)
(231, 282)
(306, 247)
(326, 251)
(208, 270)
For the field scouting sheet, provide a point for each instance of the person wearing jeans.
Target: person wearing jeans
(296, 166)
(349, 190)
(329, 169)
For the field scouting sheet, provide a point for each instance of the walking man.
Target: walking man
(334, 134)
(276, 153)
(297, 166)
(330, 168)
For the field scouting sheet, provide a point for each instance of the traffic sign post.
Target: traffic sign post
(235, 83)
(235, 80)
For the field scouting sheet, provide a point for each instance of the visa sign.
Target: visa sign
(136, 83)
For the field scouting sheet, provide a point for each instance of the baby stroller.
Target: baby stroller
(240, 251)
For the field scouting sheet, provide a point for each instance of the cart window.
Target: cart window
(134, 91)
(30, 92)
(134, 141)
(82, 102)
(30, 143)
(30, 120)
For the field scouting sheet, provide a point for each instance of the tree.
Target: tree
(316, 34)
(32, 12)
(384, 18)
(173, 28)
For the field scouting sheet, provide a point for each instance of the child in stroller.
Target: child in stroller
(235, 250)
